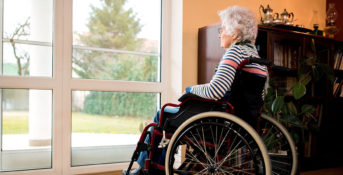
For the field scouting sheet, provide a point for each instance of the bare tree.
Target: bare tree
(23, 60)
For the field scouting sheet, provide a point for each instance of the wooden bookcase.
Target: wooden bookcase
(284, 47)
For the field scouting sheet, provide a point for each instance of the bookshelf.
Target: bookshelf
(337, 90)
(284, 48)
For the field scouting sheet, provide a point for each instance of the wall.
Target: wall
(199, 13)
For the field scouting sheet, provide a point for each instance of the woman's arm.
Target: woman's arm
(222, 80)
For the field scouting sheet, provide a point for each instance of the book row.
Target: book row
(338, 87)
(338, 60)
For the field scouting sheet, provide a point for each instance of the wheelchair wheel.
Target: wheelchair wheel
(216, 143)
(280, 146)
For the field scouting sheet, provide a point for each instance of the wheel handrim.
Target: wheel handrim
(280, 146)
(216, 146)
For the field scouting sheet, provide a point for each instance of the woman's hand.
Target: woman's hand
(188, 89)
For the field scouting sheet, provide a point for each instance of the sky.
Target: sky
(149, 18)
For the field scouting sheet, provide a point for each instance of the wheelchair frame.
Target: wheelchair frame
(226, 111)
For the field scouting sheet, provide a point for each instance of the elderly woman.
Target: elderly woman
(237, 34)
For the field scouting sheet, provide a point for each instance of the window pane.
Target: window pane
(107, 125)
(132, 27)
(27, 38)
(90, 64)
(26, 129)
(34, 19)
(35, 60)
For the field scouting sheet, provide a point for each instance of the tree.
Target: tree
(111, 26)
(21, 56)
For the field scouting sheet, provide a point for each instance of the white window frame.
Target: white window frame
(62, 84)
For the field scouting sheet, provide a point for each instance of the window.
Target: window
(117, 40)
(27, 38)
(107, 125)
(78, 81)
(26, 112)
(26, 129)
(113, 40)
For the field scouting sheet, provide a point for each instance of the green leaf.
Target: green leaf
(299, 90)
(277, 105)
(305, 79)
(285, 110)
(269, 140)
(328, 72)
(307, 109)
(292, 108)
(295, 136)
(292, 120)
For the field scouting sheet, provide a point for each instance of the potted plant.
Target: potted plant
(288, 106)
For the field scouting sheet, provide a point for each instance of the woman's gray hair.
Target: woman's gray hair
(239, 21)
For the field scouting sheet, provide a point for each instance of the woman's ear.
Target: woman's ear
(235, 35)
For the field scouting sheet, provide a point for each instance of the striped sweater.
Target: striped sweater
(222, 80)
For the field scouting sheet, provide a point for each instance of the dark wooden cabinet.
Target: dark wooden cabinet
(284, 48)
(209, 52)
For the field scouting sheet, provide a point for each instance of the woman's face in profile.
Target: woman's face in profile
(225, 39)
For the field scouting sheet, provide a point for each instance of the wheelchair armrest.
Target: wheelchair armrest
(188, 95)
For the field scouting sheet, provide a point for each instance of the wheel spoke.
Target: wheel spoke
(216, 154)
(231, 150)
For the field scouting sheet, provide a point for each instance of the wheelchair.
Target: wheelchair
(205, 137)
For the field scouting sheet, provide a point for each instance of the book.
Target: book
(337, 59)
(277, 54)
(285, 55)
(307, 147)
(337, 88)
(294, 59)
(319, 114)
(341, 64)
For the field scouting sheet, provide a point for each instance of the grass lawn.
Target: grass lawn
(17, 123)
(105, 124)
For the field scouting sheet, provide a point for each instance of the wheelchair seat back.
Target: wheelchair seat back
(246, 96)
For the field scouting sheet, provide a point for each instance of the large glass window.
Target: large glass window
(79, 79)
(27, 38)
(117, 40)
(26, 129)
(107, 125)
(113, 40)
(26, 110)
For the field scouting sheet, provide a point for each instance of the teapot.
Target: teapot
(268, 15)
(286, 17)
(276, 19)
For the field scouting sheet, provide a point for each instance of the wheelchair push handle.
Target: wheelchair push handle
(260, 61)
(268, 64)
